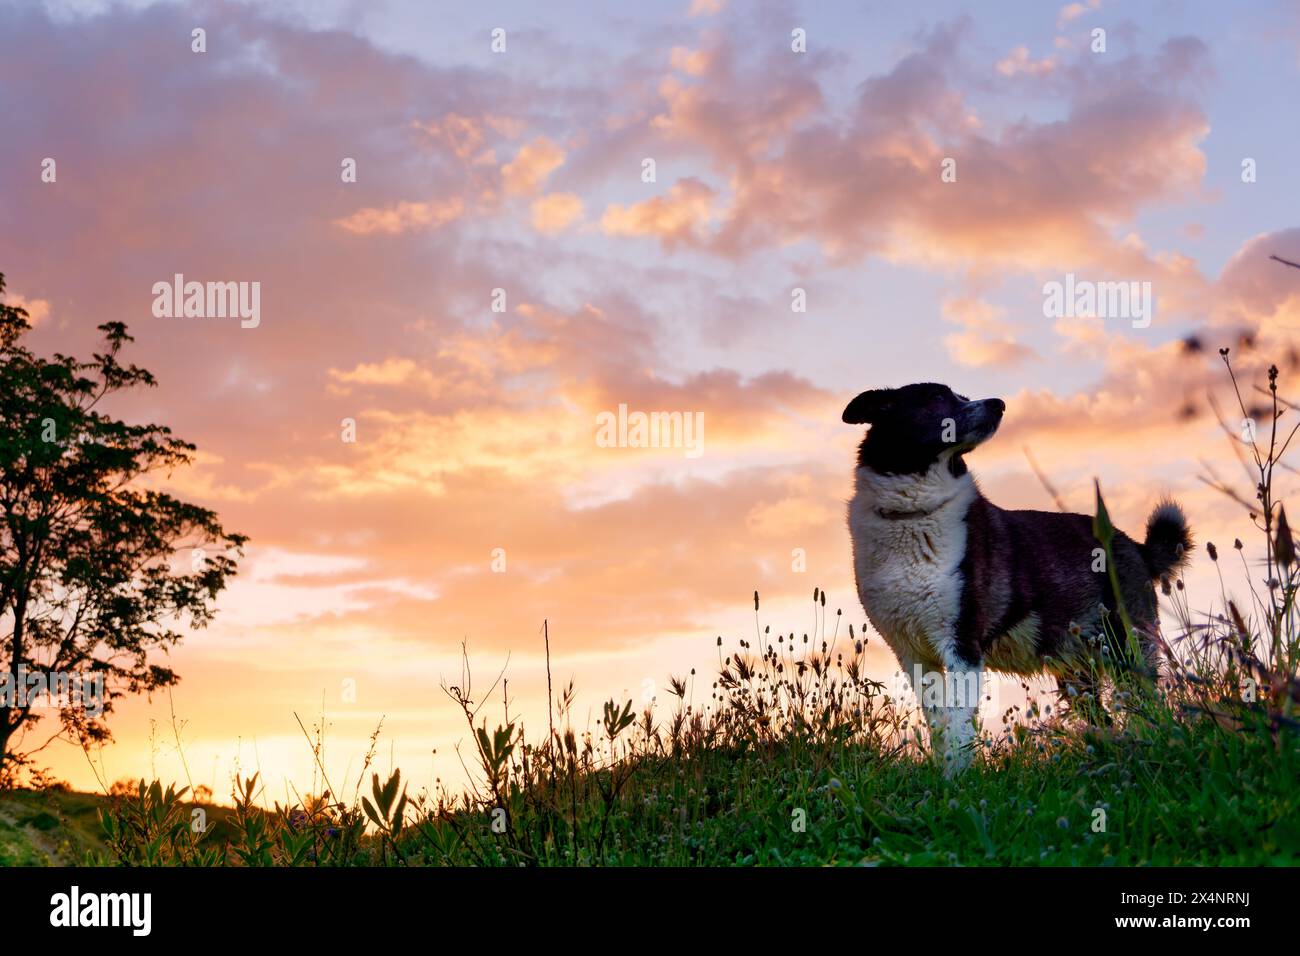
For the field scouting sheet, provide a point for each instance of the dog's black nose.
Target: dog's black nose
(996, 404)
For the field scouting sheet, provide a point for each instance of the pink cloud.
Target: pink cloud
(870, 183)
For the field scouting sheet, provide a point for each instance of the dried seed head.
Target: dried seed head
(1283, 544)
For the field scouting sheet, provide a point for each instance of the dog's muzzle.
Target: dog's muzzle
(979, 420)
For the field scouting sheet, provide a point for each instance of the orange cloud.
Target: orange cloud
(700, 8)
(1018, 61)
(691, 62)
(38, 310)
(525, 174)
(677, 217)
(1072, 11)
(986, 339)
(402, 217)
(556, 212)
(462, 135)
(392, 372)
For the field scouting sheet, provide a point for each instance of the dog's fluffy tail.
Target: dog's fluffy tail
(1169, 540)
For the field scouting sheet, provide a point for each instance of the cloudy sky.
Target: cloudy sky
(505, 269)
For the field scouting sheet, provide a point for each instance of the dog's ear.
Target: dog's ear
(868, 406)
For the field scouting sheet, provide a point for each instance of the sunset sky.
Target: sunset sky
(522, 171)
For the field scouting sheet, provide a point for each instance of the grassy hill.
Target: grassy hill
(48, 827)
(1182, 801)
(824, 772)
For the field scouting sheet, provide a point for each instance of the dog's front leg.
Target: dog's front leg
(955, 723)
(949, 700)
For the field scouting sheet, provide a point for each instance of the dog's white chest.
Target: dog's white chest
(908, 577)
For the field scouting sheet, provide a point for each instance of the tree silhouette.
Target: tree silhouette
(94, 571)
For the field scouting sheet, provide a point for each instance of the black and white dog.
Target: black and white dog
(956, 584)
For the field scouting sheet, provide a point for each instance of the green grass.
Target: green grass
(796, 759)
(787, 765)
(1170, 791)
(1171, 802)
(50, 827)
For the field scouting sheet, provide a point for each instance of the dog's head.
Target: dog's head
(917, 426)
